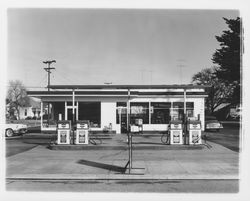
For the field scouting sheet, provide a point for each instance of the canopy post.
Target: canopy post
(73, 113)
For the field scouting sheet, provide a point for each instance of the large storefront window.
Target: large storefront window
(160, 113)
(59, 110)
(190, 109)
(90, 111)
(178, 110)
(51, 112)
(139, 111)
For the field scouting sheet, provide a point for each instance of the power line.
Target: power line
(41, 81)
(64, 77)
(181, 65)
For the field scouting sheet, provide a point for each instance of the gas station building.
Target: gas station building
(107, 106)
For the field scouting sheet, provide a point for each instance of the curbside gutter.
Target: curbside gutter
(45, 177)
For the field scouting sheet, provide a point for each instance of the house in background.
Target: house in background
(32, 110)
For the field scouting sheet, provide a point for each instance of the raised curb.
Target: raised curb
(13, 137)
(135, 147)
(121, 177)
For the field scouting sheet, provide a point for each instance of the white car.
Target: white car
(211, 123)
(12, 129)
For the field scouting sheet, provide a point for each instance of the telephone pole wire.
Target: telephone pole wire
(48, 70)
(181, 65)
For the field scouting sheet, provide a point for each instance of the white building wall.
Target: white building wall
(198, 110)
(108, 115)
(155, 127)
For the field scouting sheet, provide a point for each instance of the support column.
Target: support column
(128, 111)
(41, 113)
(66, 111)
(171, 110)
(73, 106)
(77, 112)
(73, 113)
(149, 112)
(185, 119)
(129, 133)
(185, 112)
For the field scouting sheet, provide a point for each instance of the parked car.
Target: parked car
(12, 129)
(211, 123)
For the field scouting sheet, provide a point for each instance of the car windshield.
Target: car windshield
(213, 121)
(210, 118)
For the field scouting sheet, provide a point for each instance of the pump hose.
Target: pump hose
(196, 140)
(205, 142)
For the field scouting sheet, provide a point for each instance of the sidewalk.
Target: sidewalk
(42, 163)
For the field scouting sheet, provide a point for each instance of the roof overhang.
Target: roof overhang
(120, 91)
(189, 86)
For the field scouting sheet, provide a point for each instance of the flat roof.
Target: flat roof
(188, 86)
(100, 93)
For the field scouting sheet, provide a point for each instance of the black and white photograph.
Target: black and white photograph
(123, 100)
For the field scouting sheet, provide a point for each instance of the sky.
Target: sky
(122, 46)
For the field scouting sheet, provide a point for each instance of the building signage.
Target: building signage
(137, 110)
(122, 110)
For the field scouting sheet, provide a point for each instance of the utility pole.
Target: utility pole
(48, 70)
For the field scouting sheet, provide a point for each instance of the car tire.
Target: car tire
(9, 132)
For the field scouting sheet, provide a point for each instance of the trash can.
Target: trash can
(63, 132)
(139, 123)
(176, 131)
(194, 130)
(82, 132)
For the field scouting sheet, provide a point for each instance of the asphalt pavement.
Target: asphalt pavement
(39, 163)
(31, 166)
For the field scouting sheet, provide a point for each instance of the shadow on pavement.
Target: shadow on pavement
(103, 166)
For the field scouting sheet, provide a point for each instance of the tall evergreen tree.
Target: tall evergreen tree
(228, 57)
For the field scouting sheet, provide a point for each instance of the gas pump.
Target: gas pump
(82, 132)
(176, 131)
(194, 130)
(137, 127)
(139, 123)
(63, 132)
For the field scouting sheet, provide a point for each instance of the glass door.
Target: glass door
(69, 111)
(70, 114)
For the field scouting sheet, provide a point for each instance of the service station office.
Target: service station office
(107, 106)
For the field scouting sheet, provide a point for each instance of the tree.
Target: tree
(16, 97)
(228, 57)
(218, 93)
